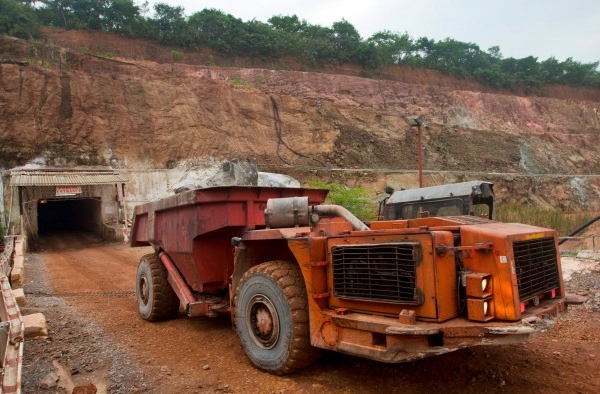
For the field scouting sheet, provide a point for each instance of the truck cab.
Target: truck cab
(455, 199)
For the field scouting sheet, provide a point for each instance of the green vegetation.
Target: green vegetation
(107, 55)
(562, 222)
(18, 20)
(288, 36)
(239, 82)
(176, 55)
(354, 199)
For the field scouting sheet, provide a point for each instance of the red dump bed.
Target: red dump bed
(195, 227)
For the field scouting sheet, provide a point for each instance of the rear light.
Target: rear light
(480, 309)
(480, 306)
(479, 285)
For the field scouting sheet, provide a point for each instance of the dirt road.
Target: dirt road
(86, 290)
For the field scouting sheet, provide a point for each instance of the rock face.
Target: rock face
(64, 108)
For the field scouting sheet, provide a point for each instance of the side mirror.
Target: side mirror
(389, 190)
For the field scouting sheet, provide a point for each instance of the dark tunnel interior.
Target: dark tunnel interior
(69, 215)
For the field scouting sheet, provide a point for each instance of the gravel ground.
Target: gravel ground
(76, 352)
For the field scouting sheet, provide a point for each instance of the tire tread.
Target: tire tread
(166, 303)
(289, 278)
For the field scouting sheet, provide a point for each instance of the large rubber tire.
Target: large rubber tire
(271, 317)
(156, 299)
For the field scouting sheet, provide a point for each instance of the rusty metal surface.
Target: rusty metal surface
(224, 194)
(353, 334)
(176, 281)
(64, 178)
(195, 228)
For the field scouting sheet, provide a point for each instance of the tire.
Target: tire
(271, 317)
(156, 299)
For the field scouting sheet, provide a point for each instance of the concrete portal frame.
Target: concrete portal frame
(30, 187)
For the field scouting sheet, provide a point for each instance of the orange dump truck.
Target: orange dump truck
(297, 276)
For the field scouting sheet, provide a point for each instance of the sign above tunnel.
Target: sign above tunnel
(62, 191)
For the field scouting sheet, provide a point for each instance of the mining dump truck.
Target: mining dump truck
(297, 276)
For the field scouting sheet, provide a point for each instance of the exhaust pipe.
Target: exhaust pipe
(336, 210)
(295, 212)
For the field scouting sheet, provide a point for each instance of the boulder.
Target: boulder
(35, 326)
(233, 172)
(276, 180)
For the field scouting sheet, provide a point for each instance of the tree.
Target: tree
(120, 16)
(18, 20)
(169, 24)
(392, 48)
(288, 24)
(346, 41)
(576, 73)
(259, 40)
(220, 31)
(317, 45)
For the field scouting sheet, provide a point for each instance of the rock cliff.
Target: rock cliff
(64, 108)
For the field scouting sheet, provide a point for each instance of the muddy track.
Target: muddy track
(86, 289)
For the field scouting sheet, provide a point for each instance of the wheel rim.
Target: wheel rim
(144, 289)
(263, 321)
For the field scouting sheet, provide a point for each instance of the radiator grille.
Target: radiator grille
(536, 267)
(377, 272)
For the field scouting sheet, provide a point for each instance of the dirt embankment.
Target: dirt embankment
(68, 107)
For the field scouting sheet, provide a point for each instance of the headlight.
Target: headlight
(479, 285)
(480, 309)
(480, 306)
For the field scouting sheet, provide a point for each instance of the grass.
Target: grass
(354, 199)
(239, 82)
(106, 55)
(562, 222)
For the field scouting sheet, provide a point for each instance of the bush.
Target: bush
(354, 199)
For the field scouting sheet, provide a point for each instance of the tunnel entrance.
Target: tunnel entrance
(69, 215)
(52, 201)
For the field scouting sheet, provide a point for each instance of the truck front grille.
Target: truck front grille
(377, 272)
(536, 267)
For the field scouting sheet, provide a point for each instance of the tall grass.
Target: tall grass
(562, 222)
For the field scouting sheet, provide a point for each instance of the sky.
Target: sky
(521, 28)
